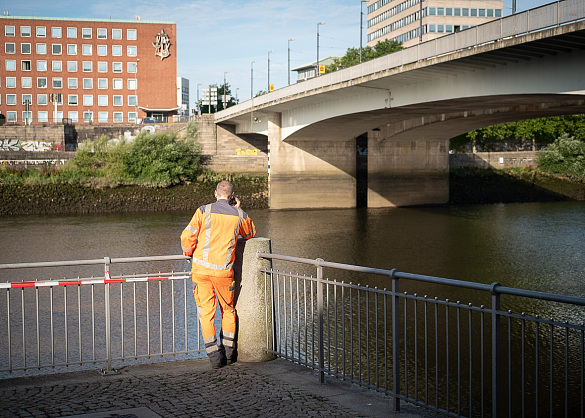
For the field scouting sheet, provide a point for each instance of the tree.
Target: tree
(352, 56)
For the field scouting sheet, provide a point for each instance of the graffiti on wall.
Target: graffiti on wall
(25, 145)
(240, 151)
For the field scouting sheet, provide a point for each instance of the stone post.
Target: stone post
(253, 334)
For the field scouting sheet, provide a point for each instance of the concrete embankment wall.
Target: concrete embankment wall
(498, 160)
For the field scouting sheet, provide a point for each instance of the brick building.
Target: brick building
(87, 70)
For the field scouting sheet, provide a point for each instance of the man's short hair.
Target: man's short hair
(224, 189)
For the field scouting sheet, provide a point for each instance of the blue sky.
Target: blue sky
(215, 36)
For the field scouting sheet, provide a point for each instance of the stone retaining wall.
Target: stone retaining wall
(494, 159)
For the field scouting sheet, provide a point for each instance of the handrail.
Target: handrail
(97, 261)
(494, 288)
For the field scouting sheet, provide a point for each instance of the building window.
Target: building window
(102, 34)
(56, 49)
(131, 84)
(88, 83)
(72, 99)
(440, 11)
(86, 49)
(58, 116)
(87, 66)
(11, 82)
(42, 82)
(9, 31)
(118, 100)
(72, 32)
(41, 65)
(57, 82)
(26, 97)
(131, 51)
(118, 84)
(102, 67)
(26, 82)
(41, 49)
(132, 67)
(25, 31)
(448, 11)
(72, 83)
(86, 33)
(42, 99)
(102, 83)
(432, 11)
(102, 117)
(87, 117)
(102, 50)
(26, 116)
(71, 49)
(498, 13)
(481, 12)
(43, 116)
(10, 47)
(11, 99)
(431, 30)
(10, 65)
(41, 32)
(457, 11)
(473, 12)
(57, 66)
(25, 65)
(55, 32)
(131, 34)
(117, 67)
(25, 48)
(117, 50)
(464, 12)
(132, 101)
(116, 33)
(102, 100)
(132, 117)
(11, 116)
(73, 116)
(72, 66)
(118, 117)
(88, 100)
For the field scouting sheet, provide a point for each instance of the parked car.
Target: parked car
(148, 120)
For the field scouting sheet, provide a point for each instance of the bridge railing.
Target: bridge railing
(529, 21)
(108, 321)
(454, 347)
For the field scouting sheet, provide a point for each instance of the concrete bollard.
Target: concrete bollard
(250, 301)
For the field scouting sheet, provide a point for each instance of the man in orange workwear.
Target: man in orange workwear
(211, 239)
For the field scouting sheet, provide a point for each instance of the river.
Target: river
(537, 246)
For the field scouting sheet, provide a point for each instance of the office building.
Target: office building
(87, 70)
(400, 20)
(183, 97)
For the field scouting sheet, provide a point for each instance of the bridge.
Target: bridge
(377, 134)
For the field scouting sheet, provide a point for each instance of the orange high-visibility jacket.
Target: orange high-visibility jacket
(212, 234)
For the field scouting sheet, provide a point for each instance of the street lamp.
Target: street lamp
(361, 25)
(252, 79)
(198, 106)
(318, 24)
(269, 52)
(291, 39)
(224, 90)
(237, 88)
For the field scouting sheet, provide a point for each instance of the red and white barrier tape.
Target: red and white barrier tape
(87, 281)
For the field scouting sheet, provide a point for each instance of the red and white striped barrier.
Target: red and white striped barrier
(49, 283)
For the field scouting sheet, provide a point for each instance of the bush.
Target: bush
(565, 157)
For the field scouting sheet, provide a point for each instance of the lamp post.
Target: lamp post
(291, 39)
(361, 25)
(224, 90)
(269, 52)
(318, 24)
(198, 106)
(136, 93)
(420, 26)
(252, 79)
(237, 88)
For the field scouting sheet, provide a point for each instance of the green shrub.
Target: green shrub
(565, 157)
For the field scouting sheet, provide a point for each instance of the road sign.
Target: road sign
(271, 87)
(209, 96)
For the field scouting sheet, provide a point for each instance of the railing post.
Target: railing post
(395, 340)
(320, 319)
(107, 263)
(496, 351)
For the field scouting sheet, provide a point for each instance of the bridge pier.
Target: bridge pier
(308, 172)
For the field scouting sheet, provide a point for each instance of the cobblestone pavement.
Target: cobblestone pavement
(190, 389)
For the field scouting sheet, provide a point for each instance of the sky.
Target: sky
(221, 38)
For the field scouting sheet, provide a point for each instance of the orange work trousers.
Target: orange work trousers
(205, 290)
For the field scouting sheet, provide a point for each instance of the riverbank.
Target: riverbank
(467, 186)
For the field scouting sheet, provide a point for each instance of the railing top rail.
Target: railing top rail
(494, 288)
(98, 261)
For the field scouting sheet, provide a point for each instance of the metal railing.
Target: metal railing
(475, 358)
(110, 321)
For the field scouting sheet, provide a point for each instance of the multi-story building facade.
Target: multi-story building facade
(183, 96)
(414, 21)
(86, 70)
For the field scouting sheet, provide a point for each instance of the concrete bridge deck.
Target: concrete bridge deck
(191, 388)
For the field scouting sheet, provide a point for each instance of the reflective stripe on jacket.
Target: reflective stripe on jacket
(212, 234)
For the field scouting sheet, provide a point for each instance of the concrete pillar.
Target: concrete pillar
(407, 171)
(310, 172)
(250, 301)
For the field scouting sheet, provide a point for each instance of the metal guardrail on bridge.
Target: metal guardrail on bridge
(455, 358)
